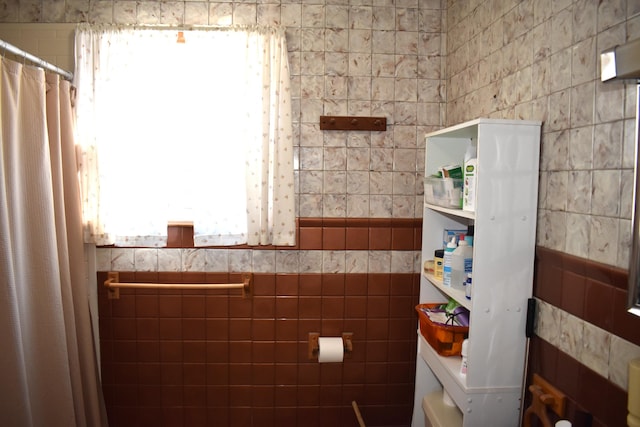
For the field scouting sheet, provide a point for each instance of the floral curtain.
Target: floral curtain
(188, 126)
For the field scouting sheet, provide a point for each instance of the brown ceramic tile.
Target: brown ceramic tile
(217, 329)
(171, 373)
(240, 329)
(263, 373)
(240, 307)
(145, 277)
(193, 306)
(356, 284)
(218, 378)
(333, 284)
(310, 285)
(379, 284)
(402, 239)
(194, 396)
(598, 307)
(286, 307)
(308, 373)
(170, 328)
(333, 238)
(377, 306)
(149, 395)
(264, 285)
(262, 412)
(310, 415)
(377, 329)
(146, 305)
(240, 395)
(125, 306)
(240, 351)
(286, 352)
(309, 222)
(147, 329)
(379, 238)
(548, 284)
(573, 290)
(625, 324)
(358, 327)
(149, 373)
(357, 238)
(376, 351)
(217, 306)
(310, 238)
(194, 329)
(331, 327)
(264, 307)
(305, 326)
(287, 329)
(148, 351)
(403, 328)
(592, 388)
(194, 373)
(217, 351)
(285, 415)
(239, 374)
(401, 306)
(616, 408)
(172, 396)
(309, 307)
(170, 277)
(194, 351)
(286, 395)
(124, 351)
(240, 416)
(332, 307)
(195, 416)
(171, 351)
(124, 328)
(309, 395)
(355, 307)
(401, 372)
(170, 306)
(263, 329)
(149, 416)
(287, 284)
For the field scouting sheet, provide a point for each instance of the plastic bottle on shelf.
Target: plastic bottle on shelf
(446, 262)
(463, 352)
(469, 176)
(461, 263)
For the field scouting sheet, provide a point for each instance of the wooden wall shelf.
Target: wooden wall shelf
(353, 123)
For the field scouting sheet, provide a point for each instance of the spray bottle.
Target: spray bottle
(446, 262)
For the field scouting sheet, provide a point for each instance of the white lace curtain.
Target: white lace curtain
(185, 126)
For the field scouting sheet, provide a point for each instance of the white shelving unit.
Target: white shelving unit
(504, 222)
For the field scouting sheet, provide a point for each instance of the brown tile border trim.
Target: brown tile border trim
(333, 234)
(591, 291)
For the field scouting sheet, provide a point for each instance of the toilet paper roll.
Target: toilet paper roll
(634, 388)
(331, 349)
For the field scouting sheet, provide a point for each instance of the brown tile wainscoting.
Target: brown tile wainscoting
(335, 234)
(591, 291)
(597, 294)
(210, 358)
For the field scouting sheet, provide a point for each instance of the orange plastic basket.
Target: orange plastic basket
(446, 340)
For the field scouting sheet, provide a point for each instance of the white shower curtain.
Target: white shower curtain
(48, 370)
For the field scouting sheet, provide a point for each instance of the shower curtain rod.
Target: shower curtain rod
(38, 61)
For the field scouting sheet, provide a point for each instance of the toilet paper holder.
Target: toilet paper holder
(314, 347)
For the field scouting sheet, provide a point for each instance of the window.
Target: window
(185, 126)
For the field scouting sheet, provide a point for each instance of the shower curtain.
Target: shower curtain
(48, 370)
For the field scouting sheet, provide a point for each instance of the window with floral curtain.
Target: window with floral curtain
(185, 126)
